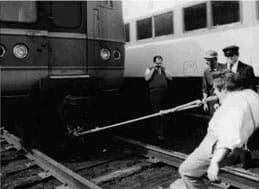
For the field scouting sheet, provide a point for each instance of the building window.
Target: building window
(18, 11)
(144, 28)
(225, 12)
(127, 32)
(61, 14)
(257, 8)
(164, 24)
(195, 17)
(109, 3)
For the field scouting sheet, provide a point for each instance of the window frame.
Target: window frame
(26, 23)
(66, 27)
(41, 23)
(172, 22)
(127, 24)
(219, 25)
(152, 33)
(183, 18)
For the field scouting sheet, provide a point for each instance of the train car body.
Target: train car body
(42, 40)
(62, 63)
(181, 34)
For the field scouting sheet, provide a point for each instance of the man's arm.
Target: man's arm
(168, 75)
(205, 92)
(205, 105)
(217, 158)
(148, 73)
(251, 78)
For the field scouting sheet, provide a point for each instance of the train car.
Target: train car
(182, 33)
(41, 40)
(62, 46)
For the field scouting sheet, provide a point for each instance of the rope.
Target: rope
(189, 105)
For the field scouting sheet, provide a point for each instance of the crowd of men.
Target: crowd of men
(230, 97)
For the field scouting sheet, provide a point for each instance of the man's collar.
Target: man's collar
(236, 62)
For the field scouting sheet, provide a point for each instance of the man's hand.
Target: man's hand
(205, 107)
(216, 106)
(213, 171)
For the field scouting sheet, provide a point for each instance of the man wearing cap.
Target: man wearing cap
(245, 71)
(207, 83)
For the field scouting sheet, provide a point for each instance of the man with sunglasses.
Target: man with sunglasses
(245, 71)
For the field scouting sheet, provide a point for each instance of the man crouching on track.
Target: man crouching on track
(229, 129)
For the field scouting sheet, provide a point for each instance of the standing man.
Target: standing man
(230, 127)
(245, 71)
(211, 58)
(156, 77)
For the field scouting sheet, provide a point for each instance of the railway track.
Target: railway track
(37, 165)
(108, 169)
(131, 165)
(236, 177)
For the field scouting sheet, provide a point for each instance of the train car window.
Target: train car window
(195, 17)
(127, 32)
(224, 12)
(109, 3)
(164, 24)
(144, 28)
(18, 11)
(66, 13)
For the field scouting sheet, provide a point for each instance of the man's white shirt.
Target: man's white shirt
(234, 67)
(233, 123)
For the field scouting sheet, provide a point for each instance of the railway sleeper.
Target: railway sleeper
(122, 173)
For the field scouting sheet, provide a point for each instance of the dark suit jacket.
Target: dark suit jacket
(247, 75)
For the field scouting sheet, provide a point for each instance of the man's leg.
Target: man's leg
(194, 168)
(156, 102)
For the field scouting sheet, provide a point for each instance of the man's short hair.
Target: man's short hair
(227, 80)
(157, 56)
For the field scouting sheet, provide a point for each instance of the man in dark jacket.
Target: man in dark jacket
(245, 71)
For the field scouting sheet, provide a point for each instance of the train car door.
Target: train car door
(23, 38)
(67, 39)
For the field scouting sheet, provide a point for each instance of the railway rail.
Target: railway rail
(51, 167)
(119, 169)
(236, 177)
(138, 165)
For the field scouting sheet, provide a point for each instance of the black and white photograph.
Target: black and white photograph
(129, 94)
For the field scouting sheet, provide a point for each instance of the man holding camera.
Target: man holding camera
(156, 77)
